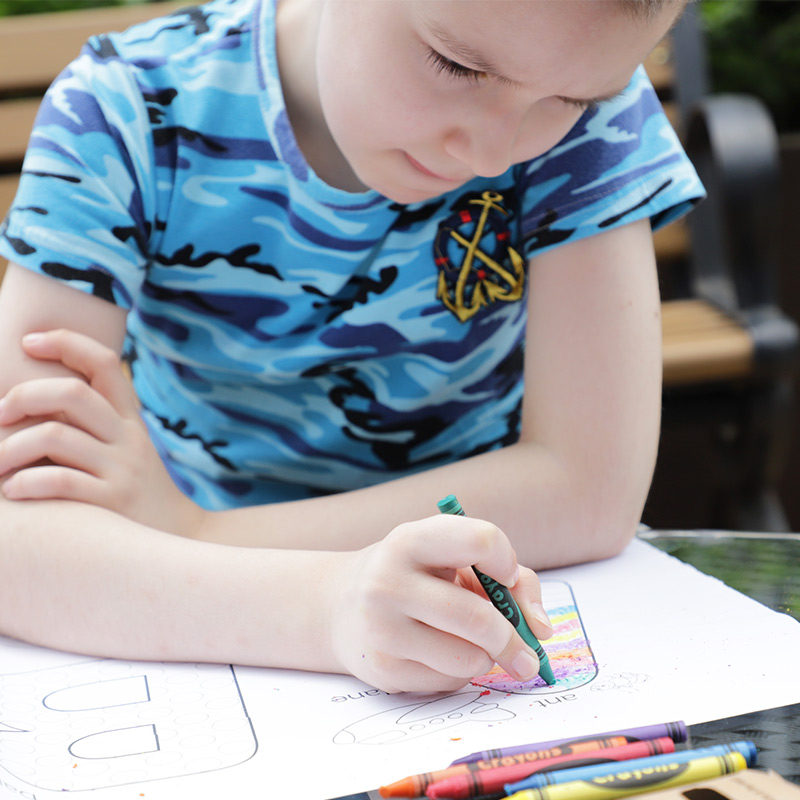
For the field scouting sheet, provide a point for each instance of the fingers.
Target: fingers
(70, 399)
(528, 594)
(78, 456)
(414, 676)
(450, 542)
(99, 364)
(419, 658)
(61, 443)
(415, 617)
(50, 482)
(467, 616)
(463, 617)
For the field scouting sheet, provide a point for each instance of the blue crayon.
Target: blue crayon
(541, 779)
(504, 602)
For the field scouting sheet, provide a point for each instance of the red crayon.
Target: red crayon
(415, 785)
(492, 781)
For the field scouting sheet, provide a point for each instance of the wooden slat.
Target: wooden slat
(16, 121)
(35, 48)
(701, 343)
(8, 188)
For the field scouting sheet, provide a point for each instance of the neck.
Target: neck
(296, 25)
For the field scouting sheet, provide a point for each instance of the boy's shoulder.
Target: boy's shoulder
(214, 28)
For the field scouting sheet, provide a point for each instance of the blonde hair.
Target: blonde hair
(646, 10)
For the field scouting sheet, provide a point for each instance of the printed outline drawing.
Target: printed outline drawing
(418, 719)
(103, 723)
(621, 681)
(423, 718)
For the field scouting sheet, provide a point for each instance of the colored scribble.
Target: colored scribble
(568, 649)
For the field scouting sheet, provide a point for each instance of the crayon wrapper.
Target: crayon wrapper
(635, 782)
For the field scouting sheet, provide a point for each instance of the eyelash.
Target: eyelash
(444, 65)
(590, 105)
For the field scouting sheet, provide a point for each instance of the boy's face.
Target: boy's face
(420, 96)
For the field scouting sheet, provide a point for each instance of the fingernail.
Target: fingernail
(525, 665)
(32, 338)
(537, 611)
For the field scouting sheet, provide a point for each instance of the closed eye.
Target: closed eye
(447, 66)
(583, 105)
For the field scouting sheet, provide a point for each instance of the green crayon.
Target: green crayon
(626, 783)
(503, 600)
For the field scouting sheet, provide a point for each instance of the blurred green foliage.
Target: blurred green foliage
(754, 47)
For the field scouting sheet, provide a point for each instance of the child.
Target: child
(332, 238)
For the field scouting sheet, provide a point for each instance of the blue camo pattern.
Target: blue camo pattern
(289, 339)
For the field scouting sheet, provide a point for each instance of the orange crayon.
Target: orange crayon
(415, 785)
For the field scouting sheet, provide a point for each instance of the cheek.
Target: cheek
(543, 128)
(356, 95)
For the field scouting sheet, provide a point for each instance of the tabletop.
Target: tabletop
(765, 567)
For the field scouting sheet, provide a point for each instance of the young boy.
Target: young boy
(333, 238)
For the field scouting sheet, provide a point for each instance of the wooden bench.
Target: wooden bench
(729, 350)
(725, 342)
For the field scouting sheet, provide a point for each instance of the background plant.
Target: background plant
(754, 47)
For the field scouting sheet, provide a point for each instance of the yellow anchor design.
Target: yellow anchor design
(485, 291)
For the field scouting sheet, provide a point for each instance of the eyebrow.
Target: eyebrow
(474, 59)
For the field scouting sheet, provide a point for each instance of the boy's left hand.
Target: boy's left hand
(81, 438)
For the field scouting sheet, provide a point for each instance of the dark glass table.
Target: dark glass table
(765, 567)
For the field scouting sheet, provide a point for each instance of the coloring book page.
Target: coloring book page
(639, 639)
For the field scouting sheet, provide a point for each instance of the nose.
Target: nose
(484, 143)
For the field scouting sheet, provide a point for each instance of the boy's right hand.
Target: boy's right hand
(410, 615)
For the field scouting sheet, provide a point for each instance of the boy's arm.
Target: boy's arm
(31, 302)
(402, 615)
(104, 408)
(573, 487)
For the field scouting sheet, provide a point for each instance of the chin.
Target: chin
(406, 196)
(398, 190)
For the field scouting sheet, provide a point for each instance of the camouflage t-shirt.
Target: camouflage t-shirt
(288, 338)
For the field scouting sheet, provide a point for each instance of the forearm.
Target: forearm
(554, 513)
(574, 486)
(83, 579)
(403, 615)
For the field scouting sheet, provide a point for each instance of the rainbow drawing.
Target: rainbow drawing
(569, 651)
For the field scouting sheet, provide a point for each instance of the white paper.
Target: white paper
(669, 643)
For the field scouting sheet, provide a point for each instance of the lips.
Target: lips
(425, 171)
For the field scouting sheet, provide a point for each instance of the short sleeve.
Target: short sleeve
(83, 210)
(621, 162)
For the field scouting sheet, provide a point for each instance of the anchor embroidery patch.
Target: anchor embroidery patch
(476, 262)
